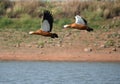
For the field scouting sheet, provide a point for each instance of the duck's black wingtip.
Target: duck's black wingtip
(47, 15)
(46, 11)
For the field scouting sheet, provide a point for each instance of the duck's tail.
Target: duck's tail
(89, 29)
(54, 35)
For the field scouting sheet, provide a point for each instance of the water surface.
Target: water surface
(59, 73)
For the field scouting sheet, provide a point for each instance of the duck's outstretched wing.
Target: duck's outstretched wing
(47, 22)
(80, 20)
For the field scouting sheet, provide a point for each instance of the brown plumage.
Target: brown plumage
(46, 28)
(80, 24)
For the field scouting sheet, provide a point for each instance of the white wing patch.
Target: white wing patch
(79, 20)
(45, 26)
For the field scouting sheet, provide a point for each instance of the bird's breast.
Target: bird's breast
(79, 26)
(45, 33)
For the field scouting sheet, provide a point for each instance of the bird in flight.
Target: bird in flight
(80, 23)
(46, 26)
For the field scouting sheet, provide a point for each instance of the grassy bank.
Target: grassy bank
(27, 15)
(19, 17)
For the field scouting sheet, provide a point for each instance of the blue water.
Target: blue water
(59, 73)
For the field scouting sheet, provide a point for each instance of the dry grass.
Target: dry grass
(26, 13)
(63, 9)
(99, 8)
(22, 7)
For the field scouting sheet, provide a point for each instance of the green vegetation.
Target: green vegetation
(110, 43)
(27, 15)
(21, 23)
(17, 18)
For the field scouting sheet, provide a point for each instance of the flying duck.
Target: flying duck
(46, 26)
(80, 23)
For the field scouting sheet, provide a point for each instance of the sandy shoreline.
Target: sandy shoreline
(60, 56)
